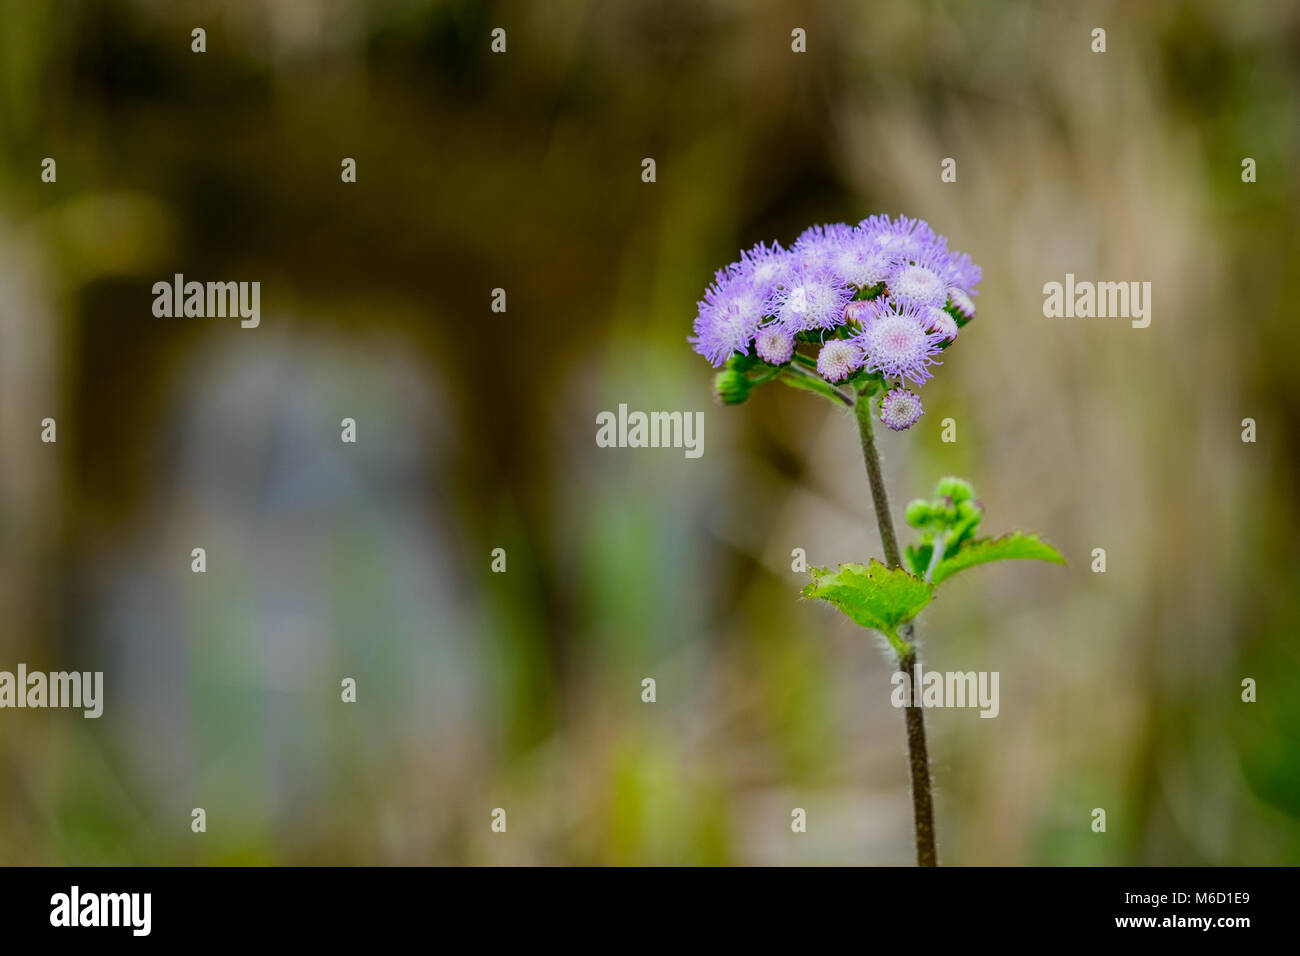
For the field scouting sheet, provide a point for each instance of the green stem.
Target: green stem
(917, 752)
(936, 553)
(830, 390)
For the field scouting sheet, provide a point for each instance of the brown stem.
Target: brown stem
(919, 759)
(862, 408)
(918, 756)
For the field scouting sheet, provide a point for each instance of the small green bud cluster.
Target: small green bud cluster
(945, 522)
(732, 385)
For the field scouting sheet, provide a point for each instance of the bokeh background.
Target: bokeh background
(476, 431)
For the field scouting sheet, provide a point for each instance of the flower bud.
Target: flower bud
(730, 387)
(838, 360)
(774, 345)
(957, 489)
(918, 512)
(858, 311)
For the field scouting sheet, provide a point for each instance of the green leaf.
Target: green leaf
(968, 519)
(877, 597)
(1009, 546)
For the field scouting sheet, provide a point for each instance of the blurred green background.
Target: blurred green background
(476, 430)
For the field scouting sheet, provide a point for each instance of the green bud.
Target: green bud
(730, 387)
(918, 512)
(740, 363)
(969, 510)
(958, 489)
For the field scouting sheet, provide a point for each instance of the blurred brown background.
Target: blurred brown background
(476, 430)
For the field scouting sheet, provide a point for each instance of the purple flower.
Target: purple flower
(859, 310)
(774, 345)
(808, 299)
(817, 246)
(877, 263)
(923, 279)
(763, 266)
(896, 341)
(838, 360)
(965, 274)
(728, 317)
(761, 302)
(848, 253)
(902, 238)
(900, 409)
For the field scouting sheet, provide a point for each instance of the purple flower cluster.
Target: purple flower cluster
(878, 297)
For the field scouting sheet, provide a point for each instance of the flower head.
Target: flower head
(962, 302)
(900, 410)
(965, 274)
(728, 317)
(897, 341)
(850, 254)
(838, 360)
(817, 246)
(808, 298)
(903, 238)
(763, 266)
(859, 310)
(923, 279)
(938, 320)
(774, 345)
(760, 306)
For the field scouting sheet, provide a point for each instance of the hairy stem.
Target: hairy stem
(918, 755)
